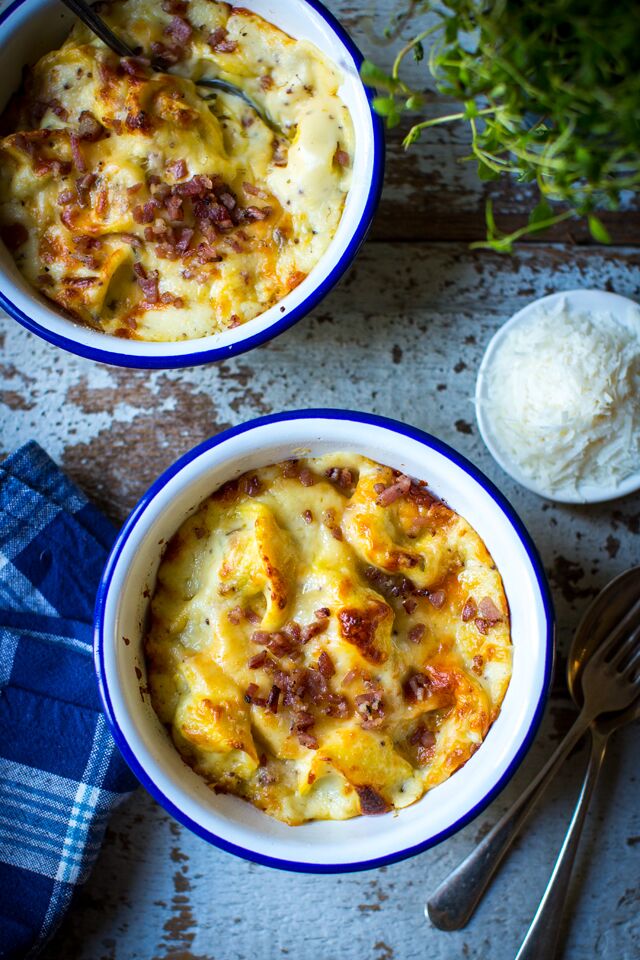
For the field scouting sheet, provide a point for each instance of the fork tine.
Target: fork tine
(628, 622)
(627, 648)
(632, 665)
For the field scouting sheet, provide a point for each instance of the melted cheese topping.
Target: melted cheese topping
(149, 212)
(327, 640)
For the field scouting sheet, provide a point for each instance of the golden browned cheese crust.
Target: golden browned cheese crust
(327, 639)
(150, 208)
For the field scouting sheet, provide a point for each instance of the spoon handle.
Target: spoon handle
(542, 937)
(91, 19)
(455, 900)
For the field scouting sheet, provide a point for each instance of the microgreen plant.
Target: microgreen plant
(549, 89)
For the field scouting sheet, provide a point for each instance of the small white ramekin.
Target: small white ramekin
(23, 40)
(122, 606)
(581, 301)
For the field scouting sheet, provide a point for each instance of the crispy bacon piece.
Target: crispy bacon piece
(306, 477)
(166, 55)
(138, 121)
(40, 107)
(136, 67)
(416, 633)
(359, 628)
(266, 81)
(399, 488)
(313, 629)
(252, 698)
(437, 599)
(179, 30)
(370, 708)
(76, 153)
(482, 626)
(81, 282)
(341, 476)
(219, 42)
(197, 186)
(410, 604)
(425, 741)
(325, 665)
(488, 611)
(307, 516)
(332, 525)
(371, 803)
(146, 212)
(177, 169)
(272, 699)
(256, 213)
(148, 282)
(66, 197)
(174, 7)
(83, 185)
(323, 613)
(254, 191)
(469, 610)
(235, 615)
(307, 740)
(90, 128)
(183, 239)
(170, 299)
(341, 157)
(258, 660)
(417, 687)
(131, 239)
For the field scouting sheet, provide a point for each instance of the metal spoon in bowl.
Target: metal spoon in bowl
(542, 937)
(94, 21)
(613, 618)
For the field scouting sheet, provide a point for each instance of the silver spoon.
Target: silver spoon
(543, 934)
(455, 900)
(94, 21)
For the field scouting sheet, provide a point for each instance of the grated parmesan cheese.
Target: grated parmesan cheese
(563, 394)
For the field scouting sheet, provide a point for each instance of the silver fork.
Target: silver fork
(606, 688)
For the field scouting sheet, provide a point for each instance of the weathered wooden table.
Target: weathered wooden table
(403, 335)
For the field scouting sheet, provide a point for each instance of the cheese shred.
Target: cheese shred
(563, 393)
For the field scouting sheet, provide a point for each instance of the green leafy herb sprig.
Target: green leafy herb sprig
(550, 90)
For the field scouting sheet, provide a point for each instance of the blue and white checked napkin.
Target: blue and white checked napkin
(60, 773)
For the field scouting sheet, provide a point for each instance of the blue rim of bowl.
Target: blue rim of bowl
(412, 433)
(279, 325)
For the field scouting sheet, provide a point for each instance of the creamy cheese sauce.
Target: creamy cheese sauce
(327, 639)
(148, 212)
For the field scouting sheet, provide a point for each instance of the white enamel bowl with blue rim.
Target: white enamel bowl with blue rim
(29, 28)
(229, 822)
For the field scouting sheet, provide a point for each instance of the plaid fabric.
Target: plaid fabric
(60, 773)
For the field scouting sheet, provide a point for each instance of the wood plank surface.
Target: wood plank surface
(402, 335)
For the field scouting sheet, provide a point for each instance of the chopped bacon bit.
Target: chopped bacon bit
(146, 212)
(219, 43)
(341, 476)
(148, 283)
(235, 615)
(409, 604)
(307, 516)
(313, 629)
(134, 188)
(272, 699)
(306, 477)
(252, 616)
(370, 708)
(102, 202)
(266, 81)
(177, 169)
(416, 688)
(183, 239)
(280, 152)
(254, 191)
(76, 153)
(14, 235)
(325, 665)
(307, 740)
(416, 633)
(153, 180)
(371, 803)
(469, 610)
(170, 299)
(90, 128)
(323, 613)
(250, 696)
(45, 279)
(437, 598)
(482, 626)
(197, 186)
(330, 522)
(67, 217)
(81, 282)
(379, 487)
(136, 67)
(207, 254)
(260, 636)
(478, 664)
(259, 660)
(425, 741)
(234, 321)
(399, 488)
(66, 197)
(256, 213)
(166, 56)
(83, 185)
(131, 239)
(488, 611)
(138, 121)
(341, 157)
(173, 206)
(228, 200)
(179, 30)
